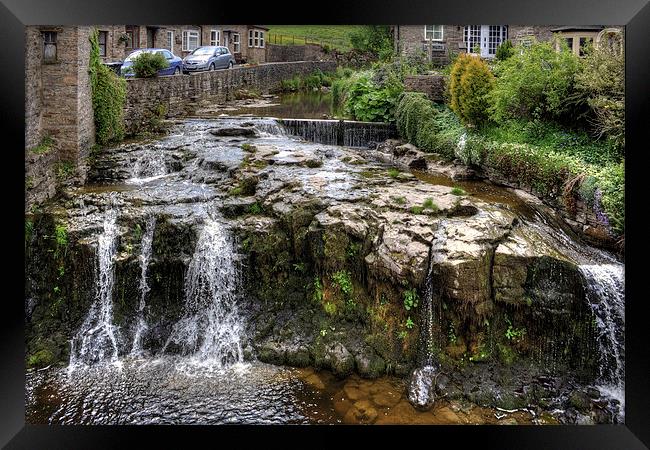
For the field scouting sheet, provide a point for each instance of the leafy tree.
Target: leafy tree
(475, 84)
(375, 39)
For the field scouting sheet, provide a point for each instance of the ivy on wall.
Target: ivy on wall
(108, 97)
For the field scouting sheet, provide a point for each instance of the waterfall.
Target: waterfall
(427, 305)
(211, 329)
(339, 132)
(149, 166)
(270, 127)
(605, 288)
(96, 338)
(145, 257)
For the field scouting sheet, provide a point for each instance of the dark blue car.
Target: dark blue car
(175, 63)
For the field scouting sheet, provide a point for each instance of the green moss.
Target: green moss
(64, 170)
(255, 208)
(44, 147)
(399, 200)
(457, 191)
(417, 209)
(394, 173)
(41, 358)
(313, 163)
(249, 148)
(330, 308)
(343, 280)
(429, 204)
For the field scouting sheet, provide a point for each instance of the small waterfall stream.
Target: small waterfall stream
(339, 132)
(211, 329)
(149, 166)
(605, 287)
(96, 340)
(145, 257)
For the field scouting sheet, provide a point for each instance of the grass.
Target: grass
(429, 204)
(457, 191)
(335, 36)
(394, 173)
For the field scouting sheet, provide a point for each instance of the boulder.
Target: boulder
(421, 388)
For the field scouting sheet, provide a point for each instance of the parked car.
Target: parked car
(175, 63)
(208, 58)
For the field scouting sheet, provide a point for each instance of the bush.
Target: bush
(505, 51)
(610, 194)
(147, 65)
(600, 83)
(363, 99)
(457, 71)
(412, 111)
(476, 83)
(534, 83)
(108, 93)
(375, 39)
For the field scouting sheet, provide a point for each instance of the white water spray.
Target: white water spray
(145, 257)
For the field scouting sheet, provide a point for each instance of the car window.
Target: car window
(167, 55)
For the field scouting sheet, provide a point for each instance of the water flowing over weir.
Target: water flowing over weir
(96, 339)
(605, 285)
(149, 166)
(339, 132)
(145, 257)
(211, 329)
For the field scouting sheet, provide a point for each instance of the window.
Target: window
(236, 44)
(190, 40)
(433, 32)
(215, 37)
(167, 54)
(584, 41)
(473, 38)
(255, 38)
(569, 43)
(49, 46)
(101, 38)
(134, 36)
(496, 35)
(170, 40)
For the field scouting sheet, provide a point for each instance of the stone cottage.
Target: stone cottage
(246, 42)
(439, 42)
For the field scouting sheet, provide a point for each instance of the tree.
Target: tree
(375, 39)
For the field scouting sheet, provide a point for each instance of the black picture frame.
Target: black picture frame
(633, 14)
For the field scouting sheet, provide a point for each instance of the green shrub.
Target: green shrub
(457, 71)
(411, 299)
(600, 83)
(108, 97)
(147, 65)
(413, 109)
(376, 39)
(476, 83)
(457, 191)
(505, 50)
(535, 82)
(343, 280)
(610, 193)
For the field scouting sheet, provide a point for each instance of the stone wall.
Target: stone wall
(285, 53)
(178, 95)
(58, 107)
(432, 85)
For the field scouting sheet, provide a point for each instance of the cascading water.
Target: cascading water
(96, 340)
(211, 329)
(145, 257)
(339, 132)
(422, 384)
(149, 166)
(605, 287)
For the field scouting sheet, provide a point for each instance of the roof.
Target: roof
(578, 28)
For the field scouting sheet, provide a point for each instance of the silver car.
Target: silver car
(208, 58)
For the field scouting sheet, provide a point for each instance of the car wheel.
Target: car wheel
(211, 67)
(230, 64)
(177, 71)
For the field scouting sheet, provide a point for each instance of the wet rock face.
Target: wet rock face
(331, 243)
(422, 387)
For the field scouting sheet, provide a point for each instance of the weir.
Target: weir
(340, 132)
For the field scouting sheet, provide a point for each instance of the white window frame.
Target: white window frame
(236, 43)
(256, 39)
(170, 40)
(187, 34)
(217, 35)
(432, 31)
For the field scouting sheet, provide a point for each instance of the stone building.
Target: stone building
(246, 42)
(58, 107)
(439, 42)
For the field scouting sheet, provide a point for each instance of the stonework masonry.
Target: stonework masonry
(179, 95)
(58, 106)
(432, 85)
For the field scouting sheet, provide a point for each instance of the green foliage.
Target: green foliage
(29, 230)
(399, 200)
(147, 65)
(429, 204)
(455, 76)
(457, 191)
(611, 194)
(353, 249)
(476, 83)
(411, 112)
(300, 267)
(318, 290)
(64, 170)
(411, 299)
(416, 209)
(394, 173)
(376, 39)
(343, 280)
(330, 308)
(600, 83)
(409, 323)
(310, 82)
(108, 97)
(255, 208)
(535, 82)
(451, 334)
(505, 50)
(45, 146)
(514, 334)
